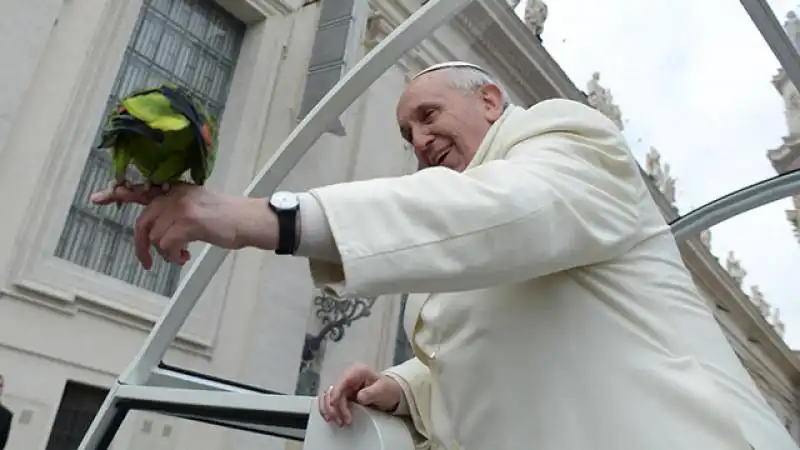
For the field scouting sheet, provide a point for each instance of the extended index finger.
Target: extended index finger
(125, 194)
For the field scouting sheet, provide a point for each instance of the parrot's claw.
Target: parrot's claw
(150, 184)
(116, 184)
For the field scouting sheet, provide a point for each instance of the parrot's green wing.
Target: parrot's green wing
(122, 124)
(156, 110)
(200, 161)
(164, 132)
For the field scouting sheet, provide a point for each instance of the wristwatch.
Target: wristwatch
(285, 205)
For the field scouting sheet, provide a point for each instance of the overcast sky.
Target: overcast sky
(693, 79)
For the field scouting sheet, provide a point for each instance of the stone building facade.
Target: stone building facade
(786, 157)
(75, 306)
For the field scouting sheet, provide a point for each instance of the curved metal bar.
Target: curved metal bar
(771, 30)
(370, 430)
(406, 36)
(736, 203)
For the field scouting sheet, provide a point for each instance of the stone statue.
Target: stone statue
(792, 28)
(668, 186)
(777, 323)
(374, 32)
(653, 166)
(593, 85)
(601, 99)
(757, 297)
(791, 102)
(765, 309)
(535, 16)
(705, 238)
(513, 3)
(793, 216)
(791, 97)
(735, 269)
(614, 113)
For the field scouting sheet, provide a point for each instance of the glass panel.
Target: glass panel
(706, 110)
(701, 106)
(752, 262)
(786, 157)
(192, 43)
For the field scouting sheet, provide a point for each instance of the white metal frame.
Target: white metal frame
(736, 203)
(142, 385)
(147, 384)
(767, 191)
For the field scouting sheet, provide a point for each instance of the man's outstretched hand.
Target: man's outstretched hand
(361, 385)
(188, 213)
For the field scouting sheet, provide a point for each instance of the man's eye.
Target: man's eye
(427, 116)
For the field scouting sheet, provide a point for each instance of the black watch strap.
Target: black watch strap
(287, 230)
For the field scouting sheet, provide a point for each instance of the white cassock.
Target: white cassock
(553, 311)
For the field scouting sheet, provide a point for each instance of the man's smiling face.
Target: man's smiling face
(444, 123)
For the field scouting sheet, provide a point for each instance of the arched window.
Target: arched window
(191, 43)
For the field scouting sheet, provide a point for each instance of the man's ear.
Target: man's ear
(492, 98)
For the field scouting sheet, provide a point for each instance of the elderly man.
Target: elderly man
(552, 308)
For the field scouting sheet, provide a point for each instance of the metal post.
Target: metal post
(771, 30)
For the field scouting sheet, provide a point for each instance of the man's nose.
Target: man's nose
(422, 143)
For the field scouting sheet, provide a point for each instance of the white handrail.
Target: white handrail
(371, 430)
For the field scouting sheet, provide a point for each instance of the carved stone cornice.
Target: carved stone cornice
(254, 11)
(490, 29)
(765, 377)
(716, 280)
(727, 294)
(389, 14)
(521, 47)
(515, 54)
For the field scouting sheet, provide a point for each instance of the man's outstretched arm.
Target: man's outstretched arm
(563, 191)
(563, 197)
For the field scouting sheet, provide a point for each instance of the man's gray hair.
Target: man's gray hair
(467, 76)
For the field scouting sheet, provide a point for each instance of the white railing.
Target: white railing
(196, 397)
(371, 430)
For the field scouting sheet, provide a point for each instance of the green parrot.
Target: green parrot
(165, 133)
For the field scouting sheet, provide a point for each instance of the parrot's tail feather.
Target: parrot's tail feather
(182, 103)
(130, 124)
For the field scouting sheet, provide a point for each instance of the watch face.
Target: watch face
(284, 200)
